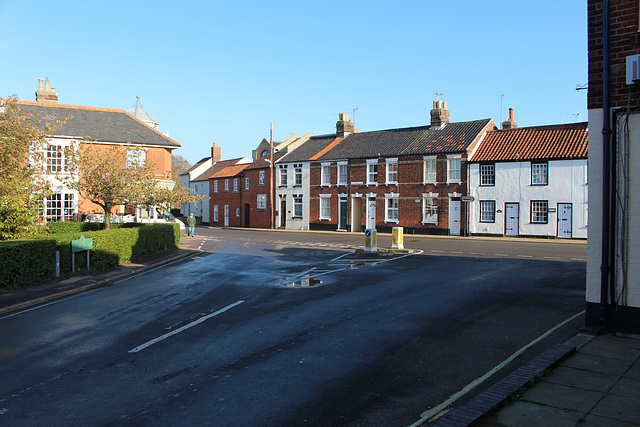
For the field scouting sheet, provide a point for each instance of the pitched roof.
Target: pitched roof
(263, 162)
(223, 168)
(97, 124)
(453, 138)
(192, 168)
(308, 149)
(565, 141)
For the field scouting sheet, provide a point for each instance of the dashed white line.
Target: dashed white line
(500, 255)
(185, 327)
(525, 256)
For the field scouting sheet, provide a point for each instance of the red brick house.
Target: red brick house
(241, 195)
(409, 177)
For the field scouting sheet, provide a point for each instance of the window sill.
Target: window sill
(487, 222)
(391, 183)
(375, 184)
(430, 221)
(325, 185)
(324, 219)
(394, 221)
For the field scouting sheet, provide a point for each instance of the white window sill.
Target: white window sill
(391, 183)
(324, 219)
(325, 185)
(395, 221)
(372, 183)
(430, 221)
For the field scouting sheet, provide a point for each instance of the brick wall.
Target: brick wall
(410, 188)
(624, 41)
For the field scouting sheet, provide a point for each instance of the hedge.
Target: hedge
(25, 262)
(110, 248)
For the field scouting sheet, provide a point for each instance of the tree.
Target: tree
(105, 178)
(22, 165)
(179, 165)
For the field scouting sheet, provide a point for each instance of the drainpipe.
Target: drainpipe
(606, 167)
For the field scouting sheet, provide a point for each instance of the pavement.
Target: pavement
(591, 380)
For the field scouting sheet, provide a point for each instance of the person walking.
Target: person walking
(191, 225)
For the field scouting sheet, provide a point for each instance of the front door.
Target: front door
(511, 219)
(247, 215)
(371, 212)
(454, 217)
(356, 213)
(283, 212)
(226, 215)
(342, 214)
(564, 220)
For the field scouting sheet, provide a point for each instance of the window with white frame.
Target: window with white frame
(429, 166)
(539, 173)
(372, 172)
(59, 207)
(237, 212)
(539, 211)
(325, 174)
(235, 185)
(246, 184)
(262, 202)
(392, 171)
(215, 186)
(342, 173)
(325, 206)
(392, 204)
(487, 211)
(215, 213)
(453, 169)
(297, 206)
(261, 178)
(283, 176)
(55, 158)
(488, 175)
(298, 175)
(136, 157)
(226, 185)
(430, 208)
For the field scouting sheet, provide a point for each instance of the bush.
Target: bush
(25, 262)
(110, 248)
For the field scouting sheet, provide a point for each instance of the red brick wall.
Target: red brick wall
(410, 188)
(159, 157)
(224, 197)
(258, 218)
(624, 41)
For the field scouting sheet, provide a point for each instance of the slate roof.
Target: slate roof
(308, 149)
(453, 138)
(141, 113)
(97, 124)
(551, 142)
(263, 162)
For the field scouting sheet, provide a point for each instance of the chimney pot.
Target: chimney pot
(510, 124)
(439, 114)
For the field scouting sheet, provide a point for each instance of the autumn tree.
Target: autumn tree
(179, 165)
(108, 178)
(22, 186)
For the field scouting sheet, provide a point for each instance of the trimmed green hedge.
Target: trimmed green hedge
(25, 262)
(110, 248)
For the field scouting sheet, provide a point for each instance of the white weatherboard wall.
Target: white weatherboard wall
(567, 183)
(288, 193)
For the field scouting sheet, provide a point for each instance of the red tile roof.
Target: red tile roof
(552, 142)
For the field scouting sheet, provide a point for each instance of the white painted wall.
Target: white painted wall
(629, 291)
(566, 184)
(288, 192)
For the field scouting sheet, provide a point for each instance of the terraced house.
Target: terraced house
(410, 177)
(530, 181)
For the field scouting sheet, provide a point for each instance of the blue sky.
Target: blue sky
(213, 71)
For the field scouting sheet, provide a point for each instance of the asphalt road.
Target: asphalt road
(236, 336)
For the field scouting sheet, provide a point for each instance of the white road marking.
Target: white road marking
(525, 256)
(473, 384)
(500, 255)
(184, 328)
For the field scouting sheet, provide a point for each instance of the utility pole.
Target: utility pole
(271, 181)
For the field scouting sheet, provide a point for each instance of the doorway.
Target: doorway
(283, 213)
(454, 217)
(342, 213)
(226, 215)
(565, 220)
(247, 215)
(511, 219)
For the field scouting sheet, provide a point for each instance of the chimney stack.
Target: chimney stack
(46, 95)
(439, 114)
(510, 124)
(344, 126)
(216, 153)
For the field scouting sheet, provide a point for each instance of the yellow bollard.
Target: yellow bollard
(398, 238)
(370, 240)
